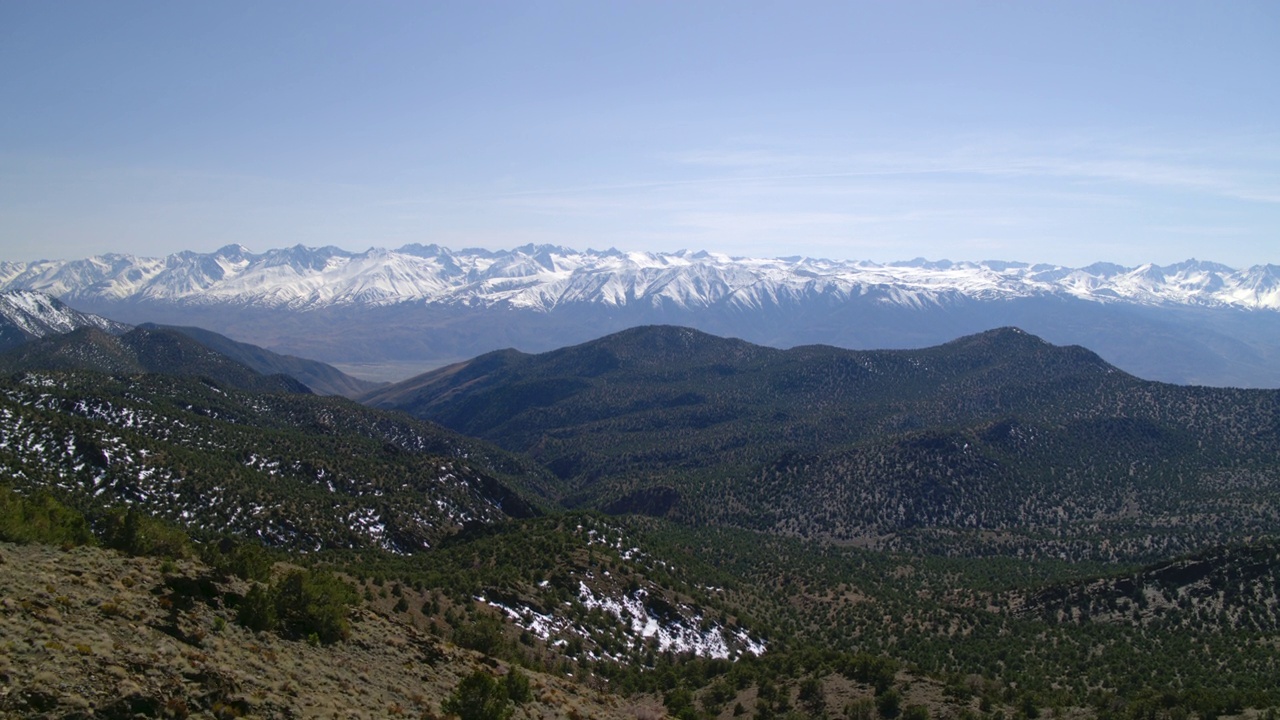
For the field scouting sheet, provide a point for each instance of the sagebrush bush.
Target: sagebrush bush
(517, 684)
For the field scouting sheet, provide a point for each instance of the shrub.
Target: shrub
(257, 610)
(314, 602)
(137, 533)
(311, 604)
(860, 709)
(518, 686)
(811, 696)
(245, 560)
(484, 634)
(478, 697)
(889, 703)
(871, 669)
(915, 712)
(40, 518)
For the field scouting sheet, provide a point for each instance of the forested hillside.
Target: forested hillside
(296, 470)
(995, 443)
(993, 528)
(140, 351)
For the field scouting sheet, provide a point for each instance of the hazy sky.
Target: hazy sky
(1062, 132)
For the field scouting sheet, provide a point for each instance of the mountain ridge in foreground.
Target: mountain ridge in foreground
(27, 316)
(996, 525)
(320, 377)
(139, 351)
(994, 439)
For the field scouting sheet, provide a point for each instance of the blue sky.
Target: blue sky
(1064, 132)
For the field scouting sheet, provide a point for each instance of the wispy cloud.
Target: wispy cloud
(974, 197)
(1090, 173)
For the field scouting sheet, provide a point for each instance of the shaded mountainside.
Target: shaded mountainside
(321, 378)
(998, 440)
(141, 350)
(295, 470)
(26, 316)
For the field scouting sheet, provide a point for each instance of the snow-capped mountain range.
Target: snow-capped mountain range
(546, 277)
(406, 310)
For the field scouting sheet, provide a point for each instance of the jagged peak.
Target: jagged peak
(233, 251)
(423, 251)
(1193, 264)
(923, 264)
(1105, 269)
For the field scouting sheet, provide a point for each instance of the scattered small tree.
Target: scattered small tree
(257, 609)
(314, 602)
(889, 703)
(518, 686)
(303, 604)
(478, 697)
(915, 712)
(812, 698)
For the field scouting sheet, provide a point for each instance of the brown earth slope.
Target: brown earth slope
(91, 633)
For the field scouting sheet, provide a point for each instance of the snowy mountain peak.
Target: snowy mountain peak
(26, 315)
(542, 277)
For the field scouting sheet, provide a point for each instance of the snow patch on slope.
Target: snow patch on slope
(39, 315)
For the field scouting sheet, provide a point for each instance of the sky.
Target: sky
(1062, 132)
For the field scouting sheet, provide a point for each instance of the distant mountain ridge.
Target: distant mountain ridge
(546, 276)
(1190, 323)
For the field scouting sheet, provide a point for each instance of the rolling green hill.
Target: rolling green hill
(997, 442)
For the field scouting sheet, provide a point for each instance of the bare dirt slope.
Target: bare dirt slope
(90, 633)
